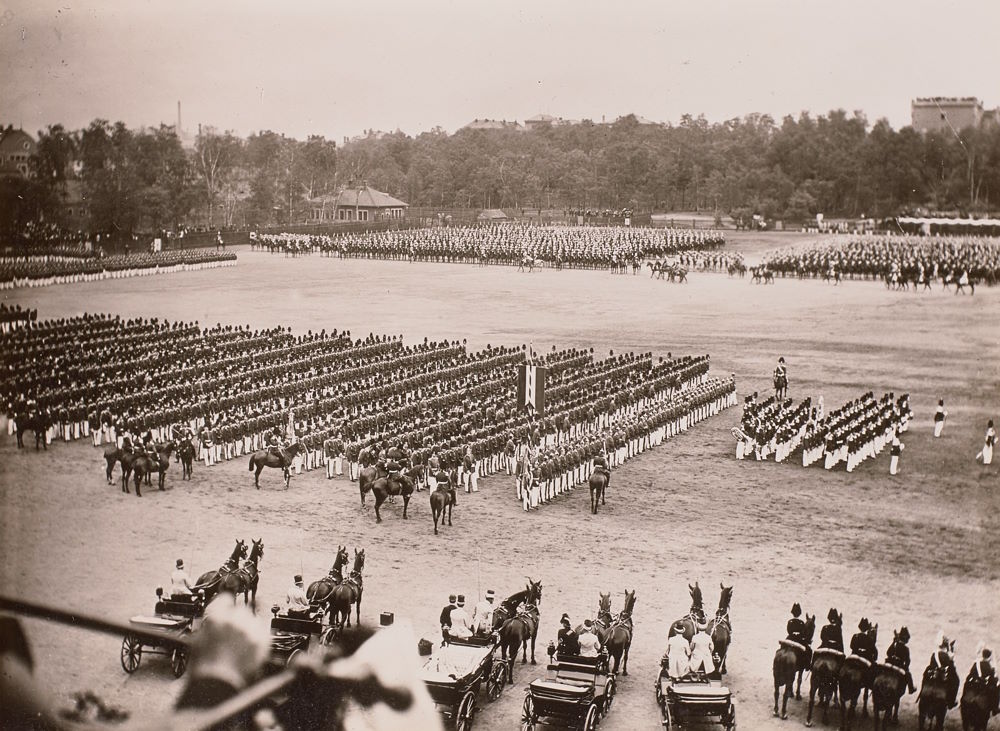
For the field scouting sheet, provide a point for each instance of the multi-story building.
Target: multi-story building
(941, 113)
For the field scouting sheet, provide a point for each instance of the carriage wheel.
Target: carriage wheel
(179, 661)
(610, 688)
(528, 717)
(131, 654)
(291, 657)
(466, 712)
(590, 721)
(730, 719)
(495, 681)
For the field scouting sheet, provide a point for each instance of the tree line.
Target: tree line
(837, 164)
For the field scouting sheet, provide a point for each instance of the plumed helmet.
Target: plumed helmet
(833, 617)
(796, 610)
(864, 625)
(904, 635)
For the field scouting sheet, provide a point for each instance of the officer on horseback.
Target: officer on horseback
(796, 632)
(276, 445)
(601, 466)
(898, 655)
(831, 637)
(943, 662)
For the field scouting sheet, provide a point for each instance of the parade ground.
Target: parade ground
(918, 549)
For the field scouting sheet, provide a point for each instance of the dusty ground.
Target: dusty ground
(919, 549)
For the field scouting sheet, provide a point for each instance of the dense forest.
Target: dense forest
(837, 164)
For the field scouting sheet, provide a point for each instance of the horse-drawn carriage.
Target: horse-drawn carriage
(455, 674)
(293, 634)
(174, 618)
(693, 700)
(578, 694)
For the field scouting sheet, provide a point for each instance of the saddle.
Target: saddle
(892, 666)
(793, 645)
(862, 660)
(828, 652)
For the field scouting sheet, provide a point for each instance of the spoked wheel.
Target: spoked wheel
(528, 717)
(179, 661)
(291, 657)
(466, 712)
(590, 721)
(730, 719)
(495, 681)
(610, 688)
(131, 653)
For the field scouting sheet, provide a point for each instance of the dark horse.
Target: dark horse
(721, 629)
(38, 422)
(113, 454)
(376, 480)
(887, 690)
(320, 592)
(823, 679)
(244, 579)
(854, 677)
(143, 466)
(266, 458)
(210, 581)
(615, 633)
(348, 592)
(598, 484)
(443, 499)
(934, 694)
(695, 616)
(789, 661)
(518, 628)
(185, 452)
(979, 699)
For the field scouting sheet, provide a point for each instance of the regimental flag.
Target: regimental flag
(531, 387)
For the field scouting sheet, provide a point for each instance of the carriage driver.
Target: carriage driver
(180, 582)
(482, 615)
(296, 601)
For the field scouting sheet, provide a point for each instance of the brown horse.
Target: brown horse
(887, 690)
(266, 458)
(789, 662)
(210, 581)
(384, 486)
(615, 634)
(185, 452)
(695, 616)
(442, 499)
(38, 422)
(143, 466)
(347, 593)
(979, 698)
(598, 484)
(721, 629)
(320, 592)
(518, 629)
(855, 674)
(244, 579)
(823, 680)
(932, 705)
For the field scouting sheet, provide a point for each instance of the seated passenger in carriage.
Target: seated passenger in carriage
(831, 637)
(568, 642)
(702, 647)
(678, 653)
(461, 623)
(180, 582)
(898, 655)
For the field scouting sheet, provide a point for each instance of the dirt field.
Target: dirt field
(919, 549)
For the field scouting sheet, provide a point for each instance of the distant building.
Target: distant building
(16, 148)
(357, 203)
(493, 124)
(943, 113)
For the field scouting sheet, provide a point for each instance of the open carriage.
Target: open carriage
(455, 674)
(293, 634)
(694, 700)
(578, 694)
(173, 618)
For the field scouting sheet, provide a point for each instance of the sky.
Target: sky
(337, 68)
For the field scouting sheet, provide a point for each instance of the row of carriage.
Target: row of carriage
(577, 692)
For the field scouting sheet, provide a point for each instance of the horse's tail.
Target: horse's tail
(251, 463)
